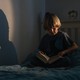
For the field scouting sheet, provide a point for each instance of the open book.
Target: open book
(46, 59)
(43, 57)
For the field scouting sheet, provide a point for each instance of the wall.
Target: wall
(30, 27)
(62, 7)
(24, 19)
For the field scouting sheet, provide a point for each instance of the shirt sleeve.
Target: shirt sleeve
(68, 42)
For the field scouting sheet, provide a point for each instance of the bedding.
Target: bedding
(16, 72)
(19, 72)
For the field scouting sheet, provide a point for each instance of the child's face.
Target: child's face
(54, 29)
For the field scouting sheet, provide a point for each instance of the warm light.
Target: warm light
(6, 7)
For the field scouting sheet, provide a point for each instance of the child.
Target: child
(55, 46)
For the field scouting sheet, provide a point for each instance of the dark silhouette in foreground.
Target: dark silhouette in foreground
(8, 54)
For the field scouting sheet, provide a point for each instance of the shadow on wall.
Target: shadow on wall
(8, 55)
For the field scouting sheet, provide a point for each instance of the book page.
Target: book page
(43, 57)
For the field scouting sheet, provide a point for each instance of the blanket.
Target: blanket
(16, 72)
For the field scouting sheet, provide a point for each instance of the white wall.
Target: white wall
(30, 27)
(24, 19)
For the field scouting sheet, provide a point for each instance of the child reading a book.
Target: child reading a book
(55, 45)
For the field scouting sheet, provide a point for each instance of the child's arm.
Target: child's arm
(43, 57)
(62, 53)
(70, 49)
(54, 58)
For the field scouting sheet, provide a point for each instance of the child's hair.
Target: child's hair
(49, 21)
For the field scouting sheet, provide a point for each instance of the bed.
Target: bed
(19, 72)
(16, 72)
